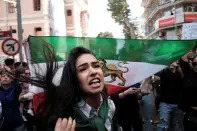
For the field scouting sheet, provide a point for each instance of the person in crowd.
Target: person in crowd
(188, 102)
(20, 65)
(155, 101)
(186, 62)
(26, 107)
(146, 102)
(127, 109)
(28, 104)
(9, 93)
(23, 75)
(9, 62)
(81, 95)
(171, 91)
(29, 89)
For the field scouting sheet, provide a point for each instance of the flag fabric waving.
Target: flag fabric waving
(125, 62)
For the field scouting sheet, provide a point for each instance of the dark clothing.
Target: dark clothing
(171, 87)
(127, 112)
(10, 107)
(189, 98)
(185, 68)
(190, 90)
(189, 125)
(96, 123)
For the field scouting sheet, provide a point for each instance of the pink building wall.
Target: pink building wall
(32, 19)
(77, 23)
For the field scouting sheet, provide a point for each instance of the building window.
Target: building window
(38, 31)
(13, 30)
(83, 20)
(190, 8)
(37, 5)
(69, 13)
(195, 9)
(11, 8)
(69, 17)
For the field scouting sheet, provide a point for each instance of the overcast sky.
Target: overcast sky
(100, 19)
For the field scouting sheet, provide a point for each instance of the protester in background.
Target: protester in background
(186, 62)
(188, 103)
(20, 65)
(28, 104)
(80, 95)
(23, 75)
(146, 102)
(127, 109)
(9, 62)
(26, 107)
(9, 93)
(171, 91)
(155, 99)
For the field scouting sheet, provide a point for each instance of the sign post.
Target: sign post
(10, 47)
(19, 23)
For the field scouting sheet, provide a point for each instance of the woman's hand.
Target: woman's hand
(65, 124)
(129, 91)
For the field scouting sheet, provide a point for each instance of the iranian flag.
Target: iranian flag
(125, 62)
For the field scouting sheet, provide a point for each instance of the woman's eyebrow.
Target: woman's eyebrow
(84, 64)
(95, 62)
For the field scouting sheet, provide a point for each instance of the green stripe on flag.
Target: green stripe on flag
(149, 51)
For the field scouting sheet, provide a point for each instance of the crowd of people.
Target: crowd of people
(10, 91)
(165, 101)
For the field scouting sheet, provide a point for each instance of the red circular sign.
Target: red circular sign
(10, 47)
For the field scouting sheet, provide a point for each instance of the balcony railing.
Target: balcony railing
(154, 10)
(150, 30)
(160, 6)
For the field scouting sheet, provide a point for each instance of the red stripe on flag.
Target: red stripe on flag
(113, 89)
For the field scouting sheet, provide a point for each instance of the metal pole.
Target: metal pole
(20, 32)
(6, 16)
(11, 31)
(175, 20)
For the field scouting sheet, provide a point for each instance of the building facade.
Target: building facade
(76, 17)
(36, 17)
(164, 18)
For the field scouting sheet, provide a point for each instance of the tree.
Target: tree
(120, 12)
(105, 35)
(106, 45)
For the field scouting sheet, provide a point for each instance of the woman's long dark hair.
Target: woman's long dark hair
(59, 99)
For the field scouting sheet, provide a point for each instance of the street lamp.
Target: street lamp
(19, 24)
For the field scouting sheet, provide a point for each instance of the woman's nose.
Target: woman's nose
(93, 71)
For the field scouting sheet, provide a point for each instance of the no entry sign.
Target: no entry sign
(10, 47)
